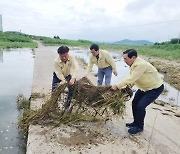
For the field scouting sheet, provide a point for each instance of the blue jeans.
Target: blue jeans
(104, 72)
(141, 101)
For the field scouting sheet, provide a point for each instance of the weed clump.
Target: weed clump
(89, 103)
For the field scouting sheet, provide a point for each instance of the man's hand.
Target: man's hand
(114, 87)
(115, 73)
(130, 85)
(62, 82)
(71, 82)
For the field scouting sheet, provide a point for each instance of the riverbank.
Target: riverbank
(170, 69)
(161, 134)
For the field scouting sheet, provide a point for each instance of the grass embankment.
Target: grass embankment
(168, 51)
(59, 42)
(10, 40)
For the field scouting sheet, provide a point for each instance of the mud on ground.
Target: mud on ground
(170, 69)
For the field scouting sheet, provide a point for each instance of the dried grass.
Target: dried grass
(89, 103)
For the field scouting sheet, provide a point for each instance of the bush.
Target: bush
(175, 41)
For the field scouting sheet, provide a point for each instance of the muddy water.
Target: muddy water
(171, 96)
(16, 72)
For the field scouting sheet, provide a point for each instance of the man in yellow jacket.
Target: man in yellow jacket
(65, 70)
(147, 79)
(104, 61)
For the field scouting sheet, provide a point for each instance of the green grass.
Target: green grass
(9, 40)
(168, 51)
(17, 45)
(58, 42)
(165, 51)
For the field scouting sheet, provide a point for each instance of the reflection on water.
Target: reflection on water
(1, 57)
(16, 71)
(172, 95)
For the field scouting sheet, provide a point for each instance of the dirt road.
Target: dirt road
(161, 134)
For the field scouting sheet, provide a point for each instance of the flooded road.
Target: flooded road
(16, 73)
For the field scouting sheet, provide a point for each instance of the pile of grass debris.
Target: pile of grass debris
(89, 103)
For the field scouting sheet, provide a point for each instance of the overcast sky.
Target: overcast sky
(95, 20)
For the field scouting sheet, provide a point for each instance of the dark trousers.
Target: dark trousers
(56, 80)
(141, 101)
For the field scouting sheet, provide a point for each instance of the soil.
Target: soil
(170, 69)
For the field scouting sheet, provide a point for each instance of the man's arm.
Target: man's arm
(111, 62)
(89, 66)
(75, 67)
(58, 72)
(136, 73)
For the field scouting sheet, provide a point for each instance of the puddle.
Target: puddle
(16, 72)
(172, 95)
